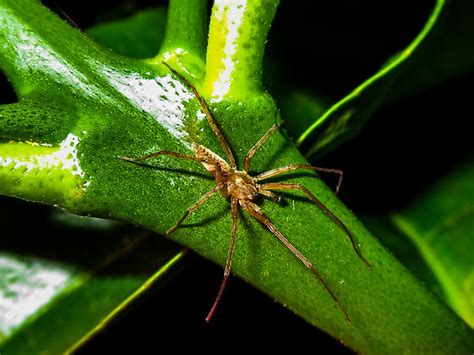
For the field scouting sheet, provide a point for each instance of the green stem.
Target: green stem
(42, 173)
(34, 120)
(32, 58)
(237, 35)
(185, 37)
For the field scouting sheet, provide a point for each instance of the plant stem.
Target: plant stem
(185, 31)
(42, 173)
(237, 35)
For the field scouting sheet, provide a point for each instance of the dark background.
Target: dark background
(327, 48)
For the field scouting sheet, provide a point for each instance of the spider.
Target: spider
(242, 189)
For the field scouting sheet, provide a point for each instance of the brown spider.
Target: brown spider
(243, 189)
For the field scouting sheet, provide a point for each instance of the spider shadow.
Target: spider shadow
(207, 220)
(252, 262)
(277, 153)
(293, 196)
(253, 239)
(254, 243)
(172, 170)
(294, 175)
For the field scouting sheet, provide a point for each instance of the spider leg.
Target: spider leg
(228, 263)
(258, 145)
(274, 197)
(210, 119)
(191, 209)
(274, 172)
(257, 213)
(283, 186)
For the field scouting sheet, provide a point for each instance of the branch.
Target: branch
(185, 37)
(237, 36)
(34, 44)
(46, 174)
(39, 119)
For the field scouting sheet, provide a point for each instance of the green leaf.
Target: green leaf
(439, 225)
(346, 117)
(125, 107)
(296, 106)
(61, 283)
(447, 53)
(440, 52)
(102, 269)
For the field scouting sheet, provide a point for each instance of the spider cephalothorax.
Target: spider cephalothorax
(235, 183)
(242, 189)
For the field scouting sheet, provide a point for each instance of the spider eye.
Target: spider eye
(279, 200)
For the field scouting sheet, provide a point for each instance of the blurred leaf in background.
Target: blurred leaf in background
(434, 238)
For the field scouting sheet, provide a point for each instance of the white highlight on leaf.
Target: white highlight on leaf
(65, 157)
(35, 54)
(232, 11)
(27, 284)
